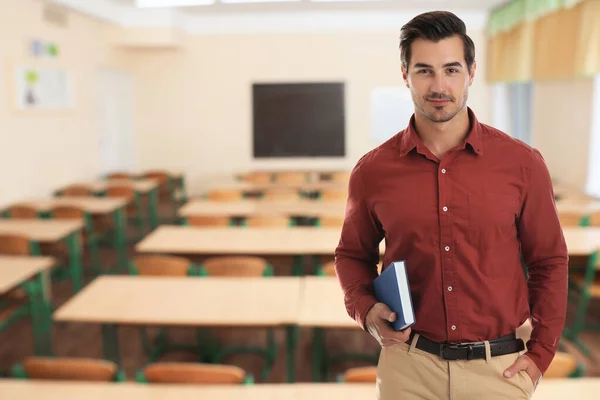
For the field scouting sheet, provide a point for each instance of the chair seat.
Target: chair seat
(594, 287)
(18, 296)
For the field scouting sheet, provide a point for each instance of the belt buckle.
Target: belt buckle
(444, 346)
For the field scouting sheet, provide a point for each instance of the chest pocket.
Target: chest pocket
(493, 217)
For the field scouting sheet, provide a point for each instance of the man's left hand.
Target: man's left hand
(524, 363)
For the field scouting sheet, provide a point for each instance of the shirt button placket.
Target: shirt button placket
(446, 238)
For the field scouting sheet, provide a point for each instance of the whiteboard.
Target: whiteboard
(42, 88)
(391, 109)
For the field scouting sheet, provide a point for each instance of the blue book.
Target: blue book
(392, 289)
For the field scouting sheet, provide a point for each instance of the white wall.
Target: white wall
(562, 117)
(193, 105)
(41, 151)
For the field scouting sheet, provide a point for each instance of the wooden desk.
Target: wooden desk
(245, 208)
(323, 304)
(14, 270)
(582, 241)
(249, 187)
(63, 390)
(95, 206)
(187, 301)
(52, 231)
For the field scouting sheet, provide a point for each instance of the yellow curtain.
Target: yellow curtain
(587, 57)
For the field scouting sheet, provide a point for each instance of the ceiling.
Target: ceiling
(307, 5)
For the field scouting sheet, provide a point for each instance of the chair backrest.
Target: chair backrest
(225, 195)
(81, 369)
(281, 195)
(562, 365)
(334, 194)
(258, 177)
(290, 177)
(208, 221)
(78, 191)
(119, 175)
(196, 373)
(121, 191)
(68, 212)
(328, 269)
(361, 375)
(595, 219)
(22, 211)
(159, 265)
(265, 221)
(160, 176)
(331, 221)
(235, 266)
(568, 219)
(14, 245)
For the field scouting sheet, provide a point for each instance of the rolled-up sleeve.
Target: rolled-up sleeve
(545, 254)
(357, 254)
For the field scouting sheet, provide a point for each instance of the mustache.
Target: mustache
(439, 96)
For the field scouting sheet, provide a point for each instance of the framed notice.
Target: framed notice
(42, 88)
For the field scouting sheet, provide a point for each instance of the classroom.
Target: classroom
(182, 181)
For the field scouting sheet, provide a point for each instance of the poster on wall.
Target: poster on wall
(42, 88)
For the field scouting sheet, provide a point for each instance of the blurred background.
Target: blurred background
(214, 139)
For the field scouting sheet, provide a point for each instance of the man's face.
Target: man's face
(438, 78)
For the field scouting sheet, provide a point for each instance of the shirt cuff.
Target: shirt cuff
(541, 355)
(362, 308)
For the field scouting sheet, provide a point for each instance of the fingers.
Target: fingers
(391, 337)
(520, 365)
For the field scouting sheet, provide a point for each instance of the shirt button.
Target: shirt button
(443, 170)
(453, 327)
(449, 288)
(447, 248)
(445, 209)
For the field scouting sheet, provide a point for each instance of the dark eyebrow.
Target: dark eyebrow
(421, 65)
(453, 64)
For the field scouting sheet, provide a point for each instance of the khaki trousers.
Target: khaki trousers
(407, 373)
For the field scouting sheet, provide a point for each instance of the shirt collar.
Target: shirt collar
(409, 139)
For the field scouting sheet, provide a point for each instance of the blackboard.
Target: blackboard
(298, 120)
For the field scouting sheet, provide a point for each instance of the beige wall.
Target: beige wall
(562, 117)
(42, 151)
(193, 104)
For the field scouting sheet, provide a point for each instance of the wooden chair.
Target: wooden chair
(334, 194)
(16, 245)
(132, 211)
(161, 265)
(14, 303)
(290, 177)
(568, 219)
(360, 375)
(563, 365)
(77, 191)
(594, 219)
(281, 195)
(328, 269)
(76, 369)
(209, 221)
(258, 177)
(235, 266)
(119, 175)
(225, 195)
(268, 222)
(88, 238)
(166, 187)
(22, 211)
(193, 373)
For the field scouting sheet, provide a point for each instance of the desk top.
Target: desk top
(11, 389)
(582, 240)
(40, 230)
(258, 187)
(312, 208)
(17, 269)
(185, 301)
(139, 185)
(323, 304)
(92, 205)
(585, 207)
(240, 240)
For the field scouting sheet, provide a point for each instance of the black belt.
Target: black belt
(470, 351)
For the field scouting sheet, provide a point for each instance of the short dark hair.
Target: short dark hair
(435, 26)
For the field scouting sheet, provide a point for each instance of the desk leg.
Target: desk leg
(41, 316)
(292, 333)
(182, 190)
(110, 343)
(75, 262)
(173, 196)
(318, 359)
(297, 265)
(153, 208)
(120, 239)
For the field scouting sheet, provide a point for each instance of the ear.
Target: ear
(472, 73)
(405, 77)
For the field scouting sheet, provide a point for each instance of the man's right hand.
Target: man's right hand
(378, 324)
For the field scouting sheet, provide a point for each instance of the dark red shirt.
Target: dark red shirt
(461, 224)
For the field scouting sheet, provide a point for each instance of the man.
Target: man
(461, 203)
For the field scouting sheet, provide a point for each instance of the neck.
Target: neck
(439, 137)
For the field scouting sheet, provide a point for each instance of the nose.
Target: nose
(439, 84)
